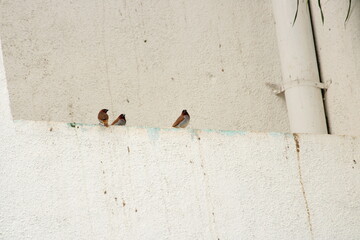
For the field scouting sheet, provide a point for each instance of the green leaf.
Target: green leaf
(321, 11)
(348, 12)
(297, 9)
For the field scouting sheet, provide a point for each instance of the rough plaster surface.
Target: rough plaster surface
(338, 47)
(65, 60)
(63, 181)
(60, 182)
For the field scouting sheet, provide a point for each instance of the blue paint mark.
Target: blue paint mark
(232, 133)
(225, 132)
(74, 124)
(87, 125)
(171, 129)
(153, 133)
(276, 134)
(209, 130)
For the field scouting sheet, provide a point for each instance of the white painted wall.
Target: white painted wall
(83, 183)
(338, 47)
(91, 182)
(65, 60)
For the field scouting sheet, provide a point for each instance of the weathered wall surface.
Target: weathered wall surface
(65, 60)
(338, 47)
(60, 181)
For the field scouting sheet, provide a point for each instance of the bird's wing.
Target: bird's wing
(116, 120)
(181, 118)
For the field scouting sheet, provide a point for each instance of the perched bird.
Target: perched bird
(103, 117)
(183, 120)
(121, 120)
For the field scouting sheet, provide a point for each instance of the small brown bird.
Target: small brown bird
(183, 120)
(103, 117)
(121, 120)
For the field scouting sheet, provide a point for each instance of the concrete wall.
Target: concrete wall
(65, 60)
(338, 47)
(60, 181)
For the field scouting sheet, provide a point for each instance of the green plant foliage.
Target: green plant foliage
(321, 11)
(348, 12)
(296, 13)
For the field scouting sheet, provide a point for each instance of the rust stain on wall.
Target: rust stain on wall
(297, 144)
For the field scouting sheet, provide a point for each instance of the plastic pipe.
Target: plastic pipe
(299, 64)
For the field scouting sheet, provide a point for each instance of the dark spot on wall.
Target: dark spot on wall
(354, 161)
(204, 174)
(72, 125)
(77, 126)
(352, 167)
(190, 161)
(145, 41)
(123, 203)
(128, 100)
(128, 148)
(213, 214)
(219, 45)
(115, 199)
(199, 138)
(135, 210)
(105, 192)
(222, 70)
(103, 172)
(51, 129)
(172, 79)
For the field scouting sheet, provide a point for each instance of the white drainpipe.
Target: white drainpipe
(300, 73)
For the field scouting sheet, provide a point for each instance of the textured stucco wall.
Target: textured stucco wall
(91, 182)
(65, 60)
(338, 47)
(132, 183)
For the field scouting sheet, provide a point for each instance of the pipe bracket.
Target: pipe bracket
(280, 88)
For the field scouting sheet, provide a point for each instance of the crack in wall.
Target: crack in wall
(210, 205)
(297, 144)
